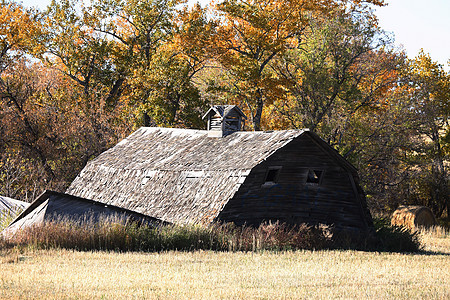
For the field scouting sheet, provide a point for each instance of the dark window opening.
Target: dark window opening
(272, 175)
(314, 176)
(232, 124)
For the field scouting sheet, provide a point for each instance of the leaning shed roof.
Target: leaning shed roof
(179, 175)
(11, 206)
(50, 206)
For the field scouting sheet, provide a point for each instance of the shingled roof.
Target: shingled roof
(178, 175)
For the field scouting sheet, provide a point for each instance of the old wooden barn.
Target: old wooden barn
(201, 176)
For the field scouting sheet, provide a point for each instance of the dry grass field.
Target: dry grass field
(63, 274)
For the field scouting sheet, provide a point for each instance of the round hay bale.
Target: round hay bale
(413, 217)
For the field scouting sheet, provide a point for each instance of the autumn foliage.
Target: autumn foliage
(78, 77)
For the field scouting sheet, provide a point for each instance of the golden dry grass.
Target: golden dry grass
(63, 274)
(435, 239)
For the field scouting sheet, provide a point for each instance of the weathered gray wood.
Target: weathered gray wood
(334, 201)
(182, 176)
(53, 206)
(224, 118)
(9, 206)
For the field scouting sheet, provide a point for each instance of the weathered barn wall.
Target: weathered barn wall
(10, 209)
(333, 200)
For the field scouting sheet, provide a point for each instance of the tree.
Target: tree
(255, 33)
(400, 139)
(91, 84)
(168, 93)
(19, 32)
(45, 137)
(19, 29)
(75, 50)
(137, 29)
(130, 55)
(339, 68)
(52, 122)
(377, 141)
(342, 84)
(429, 89)
(167, 90)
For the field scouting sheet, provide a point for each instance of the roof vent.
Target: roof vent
(224, 120)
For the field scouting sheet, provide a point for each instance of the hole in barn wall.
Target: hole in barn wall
(314, 176)
(272, 175)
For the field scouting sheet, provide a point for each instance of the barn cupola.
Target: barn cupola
(224, 120)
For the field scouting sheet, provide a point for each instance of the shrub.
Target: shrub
(395, 238)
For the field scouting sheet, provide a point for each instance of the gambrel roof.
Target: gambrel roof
(181, 175)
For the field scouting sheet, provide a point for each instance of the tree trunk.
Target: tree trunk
(258, 113)
(147, 120)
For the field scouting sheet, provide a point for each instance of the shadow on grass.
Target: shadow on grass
(432, 253)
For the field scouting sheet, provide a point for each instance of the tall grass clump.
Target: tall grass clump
(7, 216)
(274, 236)
(119, 235)
(435, 232)
(124, 236)
(384, 238)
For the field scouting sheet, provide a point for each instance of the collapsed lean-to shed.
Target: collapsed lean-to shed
(201, 176)
(10, 208)
(59, 207)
